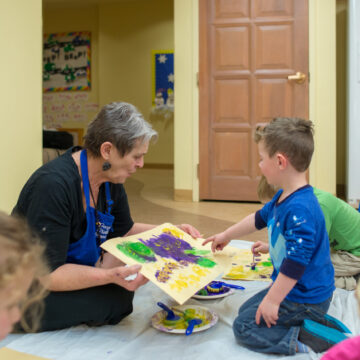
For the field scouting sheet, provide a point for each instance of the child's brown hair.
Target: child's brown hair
(21, 253)
(291, 136)
(265, 191)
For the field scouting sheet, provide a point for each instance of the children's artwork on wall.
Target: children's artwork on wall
(68, 109)
(171, 259)
(244, 267)
(66, 61)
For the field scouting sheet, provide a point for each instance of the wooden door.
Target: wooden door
(248, 49)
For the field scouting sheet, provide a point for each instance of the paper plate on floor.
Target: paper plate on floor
(210, 296)
(209, 318)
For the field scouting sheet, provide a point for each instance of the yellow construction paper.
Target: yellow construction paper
(241, 267)
(171, 259)
(9, 354)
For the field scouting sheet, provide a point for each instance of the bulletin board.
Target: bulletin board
(162, 77)
(66, 61)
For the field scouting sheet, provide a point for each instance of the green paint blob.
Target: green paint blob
(141, 249)
(202, 292)
(136, 251)
(204, 262)
(266, 263)
(197, 252)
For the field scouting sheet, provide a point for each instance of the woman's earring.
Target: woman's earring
(106, 166)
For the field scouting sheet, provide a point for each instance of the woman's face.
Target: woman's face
(10, 300)
(124, 167)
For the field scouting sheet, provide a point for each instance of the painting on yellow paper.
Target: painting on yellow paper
(242, 268)
(171, 259)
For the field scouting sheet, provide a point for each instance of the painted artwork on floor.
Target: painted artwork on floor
(244, 268)
(171, 259)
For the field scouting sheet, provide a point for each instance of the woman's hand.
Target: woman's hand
(189, 229)
(119, 274)
(260, 247)
(219, 241)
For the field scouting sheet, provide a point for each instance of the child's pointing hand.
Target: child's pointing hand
(219, 241)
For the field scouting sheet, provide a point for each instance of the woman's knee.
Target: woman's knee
(116, 303)
(126, 308)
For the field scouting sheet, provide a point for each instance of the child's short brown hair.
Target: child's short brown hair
(291, 136)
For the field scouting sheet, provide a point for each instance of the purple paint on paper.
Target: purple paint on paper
(168, 246)
(163, 275)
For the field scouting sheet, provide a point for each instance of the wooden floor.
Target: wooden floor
(150, 193)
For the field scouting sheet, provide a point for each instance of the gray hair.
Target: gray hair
(121, 124)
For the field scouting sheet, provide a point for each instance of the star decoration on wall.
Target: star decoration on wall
(162, 59)
(171, 78)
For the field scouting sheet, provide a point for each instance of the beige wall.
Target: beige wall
(123, 36)
(322, 43)
(322, 17)
(126, 36)
(20, 93)
(128, 32)
(186, 100)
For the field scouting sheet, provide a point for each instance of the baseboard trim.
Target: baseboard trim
(183, 195)
(158, 166)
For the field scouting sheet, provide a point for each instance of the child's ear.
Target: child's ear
(282, 161)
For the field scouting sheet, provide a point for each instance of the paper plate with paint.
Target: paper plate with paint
(186, 313)
(213, 291)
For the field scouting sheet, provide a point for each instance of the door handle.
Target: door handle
(299, 77)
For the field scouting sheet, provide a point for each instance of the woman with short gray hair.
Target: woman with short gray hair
(123, 134)
(78, 201)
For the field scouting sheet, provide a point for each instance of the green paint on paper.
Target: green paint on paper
(141, 249)
(266, 263)
(197, 252)
(137, 251)
(204, 262)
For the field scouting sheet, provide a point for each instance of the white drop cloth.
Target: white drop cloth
(134, 338)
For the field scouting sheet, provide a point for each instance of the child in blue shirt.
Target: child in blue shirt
(290, 315)
(343, 227)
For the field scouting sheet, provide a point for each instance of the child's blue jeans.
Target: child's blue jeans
(282, 337)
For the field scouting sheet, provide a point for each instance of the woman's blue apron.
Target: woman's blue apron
(86, 250)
